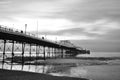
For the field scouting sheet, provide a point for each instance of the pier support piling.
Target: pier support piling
(30, 53)
(4, 51)
(23, 50)
(44, 52)
(12, 51)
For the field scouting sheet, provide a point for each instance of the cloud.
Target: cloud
(91, 30)
(34, 8)
(96, 21)
(91, 10)
(74, 10)
(112, 36)
(109, 42)
(99, 45)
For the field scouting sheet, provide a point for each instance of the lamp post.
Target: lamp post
(25, 28)
(56, 40)
(37, 28)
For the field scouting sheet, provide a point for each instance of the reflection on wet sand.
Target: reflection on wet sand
(31, 68)
(90, 69)
(57, 70)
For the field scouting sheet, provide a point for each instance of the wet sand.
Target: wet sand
(61, 63)
(22, 75)
(70, 62)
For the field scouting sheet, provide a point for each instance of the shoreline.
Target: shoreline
(72, 61)
(83, 61)
(23, 75)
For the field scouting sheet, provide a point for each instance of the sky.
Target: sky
(91, 24)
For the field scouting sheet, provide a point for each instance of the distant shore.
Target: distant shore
(22, 75)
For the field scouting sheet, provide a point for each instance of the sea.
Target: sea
(100, 54)
(108, 71)
(102, 72)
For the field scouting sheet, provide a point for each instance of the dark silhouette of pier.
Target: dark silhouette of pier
(22, 46)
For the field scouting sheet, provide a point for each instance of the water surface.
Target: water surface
(100, 54)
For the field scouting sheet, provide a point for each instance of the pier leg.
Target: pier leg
(29, 57)
(12, 51)
(3, 60)
(58, 51)
(62, 53)
(4, 51)
(49, 52)
(39, 52)
(52, 52)
(55, 52)
(36, 58)
(30, 53)
(23, 48)
(44, 52)
(36, 52)
(12, 54)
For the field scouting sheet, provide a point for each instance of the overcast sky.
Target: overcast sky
(92, 24)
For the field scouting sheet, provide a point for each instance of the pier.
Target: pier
(19, 46)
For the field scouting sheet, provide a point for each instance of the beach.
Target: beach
(22, 75)
(81, 68)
